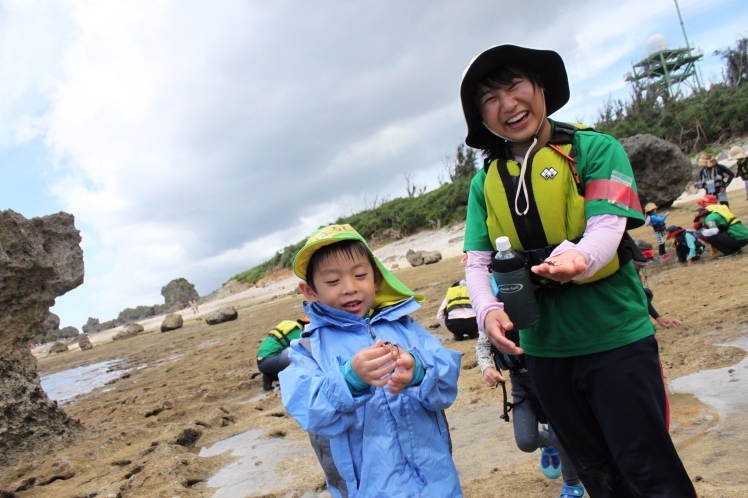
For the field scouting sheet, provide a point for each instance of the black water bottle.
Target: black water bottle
(513, 286)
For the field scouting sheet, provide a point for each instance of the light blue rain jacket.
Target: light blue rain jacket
(377, 444)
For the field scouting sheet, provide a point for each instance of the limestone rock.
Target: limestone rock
(222, 315)
(58, 347)
(661, 169)
(172, 321)
(178, 293)
(85, 343)
(40, 259)
(130, 331)
(418, 258)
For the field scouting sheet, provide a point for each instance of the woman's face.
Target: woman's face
(514, 111)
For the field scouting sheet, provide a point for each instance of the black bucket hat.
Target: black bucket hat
(547, 64)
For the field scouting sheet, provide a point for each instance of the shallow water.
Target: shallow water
(726, 389)
(66, 385)
(254, 470)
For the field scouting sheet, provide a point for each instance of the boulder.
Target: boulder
(172, 321)
(222, 315)
(178, 293)
(58, 347)
(418, 258)
(130, 331)
(40, 259)
(662, 170)
(85, 343)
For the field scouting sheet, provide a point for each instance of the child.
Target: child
(366, 381)
(527, 415)
(566, 196)
(272, 356)
(657, 222)
(688, 247)
(456, 313)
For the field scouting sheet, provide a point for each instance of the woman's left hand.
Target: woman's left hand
(562, 267)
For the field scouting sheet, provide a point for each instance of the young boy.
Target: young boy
(366, 381)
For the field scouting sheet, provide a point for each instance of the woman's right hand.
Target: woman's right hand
(496, 324)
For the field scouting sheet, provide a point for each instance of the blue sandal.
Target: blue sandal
(550, 463)
(572, 491)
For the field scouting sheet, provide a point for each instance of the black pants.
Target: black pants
(726, 244)
(609, 411)
(462, 326)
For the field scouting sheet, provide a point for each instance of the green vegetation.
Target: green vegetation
(698, 122)
(702, 120)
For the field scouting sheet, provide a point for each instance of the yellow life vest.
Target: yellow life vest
(282, 330)
(724, 212)
(556, 211)
(458, 297)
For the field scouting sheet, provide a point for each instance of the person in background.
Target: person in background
(366, 381)
(565, 196)
(688, 247)
(530, 424)
(736, 153)
(720, 227)
(272, 357)
(657, 222)
(456, 313)
(714, 178)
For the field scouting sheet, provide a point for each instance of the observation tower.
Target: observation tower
(666, 70)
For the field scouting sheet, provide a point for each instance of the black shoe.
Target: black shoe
(267, 382)
(458, 337)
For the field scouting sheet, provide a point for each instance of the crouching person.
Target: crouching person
(456, 313)
(366, 381)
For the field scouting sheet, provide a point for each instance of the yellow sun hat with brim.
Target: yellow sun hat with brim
(391, 290)
(651, 206)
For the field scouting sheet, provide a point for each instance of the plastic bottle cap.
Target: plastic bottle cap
(503, 244)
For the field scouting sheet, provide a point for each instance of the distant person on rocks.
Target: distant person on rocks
(456, 313)
(720, 227)
(366, 381)
(714, 178)
(737, 153)
(272, 357)
(688, 247)
(530, 423)
(193, 305)
(657, 222)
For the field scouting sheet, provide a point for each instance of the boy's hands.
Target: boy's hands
(373, 364)
(384, 364)
(403, 373)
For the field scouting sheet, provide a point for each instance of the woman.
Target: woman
(566, 196)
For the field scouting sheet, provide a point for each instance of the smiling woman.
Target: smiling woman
(580, 358)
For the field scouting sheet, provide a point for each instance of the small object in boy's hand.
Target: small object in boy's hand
(551, 263)
(393, 349)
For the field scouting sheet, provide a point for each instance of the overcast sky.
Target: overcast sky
(195, 138)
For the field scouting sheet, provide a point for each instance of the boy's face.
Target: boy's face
(345, 282)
